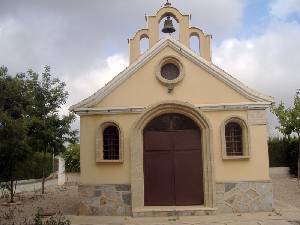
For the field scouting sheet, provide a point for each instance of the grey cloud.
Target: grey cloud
(76, 37)
(269, 62)
(71, 35)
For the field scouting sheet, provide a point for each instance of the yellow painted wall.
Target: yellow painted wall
(255, 168)
(144, 89)
(197, 86)
(103, 173)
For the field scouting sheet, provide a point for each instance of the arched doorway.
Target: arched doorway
(173, 168)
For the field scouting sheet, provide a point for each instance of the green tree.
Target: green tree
(48, 131)
(13, 116)
(72, 158)
(289, 120)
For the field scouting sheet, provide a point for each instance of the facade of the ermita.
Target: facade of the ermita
(173, 133)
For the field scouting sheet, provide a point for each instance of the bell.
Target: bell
(168, 26)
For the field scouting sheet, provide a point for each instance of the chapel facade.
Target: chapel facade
(173, 134)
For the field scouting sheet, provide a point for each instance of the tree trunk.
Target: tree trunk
(299, 158)
(43, 180)
(11, 190)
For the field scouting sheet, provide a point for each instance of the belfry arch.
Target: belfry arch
(185, 31)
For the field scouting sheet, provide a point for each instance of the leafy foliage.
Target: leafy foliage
(32, 167)
(30, 122)
(284, 152)
(278, 152)
(289, 119)
(47, 130)
(9, 217)
(57, 219)
(13, 117)
(72, 158)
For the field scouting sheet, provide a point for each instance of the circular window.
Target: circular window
(169, 71)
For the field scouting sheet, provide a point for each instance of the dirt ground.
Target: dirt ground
(286, 189)
(65, 200)
(62, 200)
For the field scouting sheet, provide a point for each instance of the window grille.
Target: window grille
(233, 138)
(111, 143)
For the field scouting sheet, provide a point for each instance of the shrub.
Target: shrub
(57, 219)
(293, 154)
(72, 158)
(33, 167)
(278, 152)
(284, 152)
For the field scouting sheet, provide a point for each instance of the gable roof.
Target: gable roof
(189, 54)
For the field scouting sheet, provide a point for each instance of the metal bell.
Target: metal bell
(168, 26)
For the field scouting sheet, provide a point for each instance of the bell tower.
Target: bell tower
(185, 32)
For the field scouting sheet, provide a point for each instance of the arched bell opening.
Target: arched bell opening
(195, 44)
(173, 167)
(169, 26)
(144, 43)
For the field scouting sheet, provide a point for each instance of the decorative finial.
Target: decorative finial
(168, 3)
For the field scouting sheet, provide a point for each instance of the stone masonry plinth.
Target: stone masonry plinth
(105, 200)
(231, 197)
(249, 196)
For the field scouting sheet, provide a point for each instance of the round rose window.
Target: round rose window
(170, 71)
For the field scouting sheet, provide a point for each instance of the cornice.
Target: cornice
(202, 107)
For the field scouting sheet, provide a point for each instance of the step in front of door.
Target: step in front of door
(173, 211)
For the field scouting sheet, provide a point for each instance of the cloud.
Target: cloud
(268, 62)
(284, 8)
(96, 77)
(68, 35)
(85, 42)
(100, 73)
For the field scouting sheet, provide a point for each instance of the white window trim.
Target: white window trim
(245, 139)
(99, 143)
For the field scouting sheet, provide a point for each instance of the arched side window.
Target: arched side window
(235, 141)
(109, 143)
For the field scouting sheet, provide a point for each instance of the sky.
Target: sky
(85, 42)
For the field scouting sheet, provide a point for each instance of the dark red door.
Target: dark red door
(172, 166)
(187, 167)
(158, 168)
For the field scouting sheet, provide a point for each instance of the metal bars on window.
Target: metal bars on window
(111, 143)
(234, 139)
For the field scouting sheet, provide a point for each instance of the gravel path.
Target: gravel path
(286, 189)
(57, 200)
(35, 186)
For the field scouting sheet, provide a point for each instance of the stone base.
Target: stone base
(249, 196)
(174, 211)
(105, 200)
(231, 197)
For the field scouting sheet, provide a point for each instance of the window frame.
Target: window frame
(99, 143)
(171, 60)
(245, 139)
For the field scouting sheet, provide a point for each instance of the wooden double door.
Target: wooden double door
(173, 162)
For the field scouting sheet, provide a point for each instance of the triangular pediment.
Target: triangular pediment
(218, 79)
